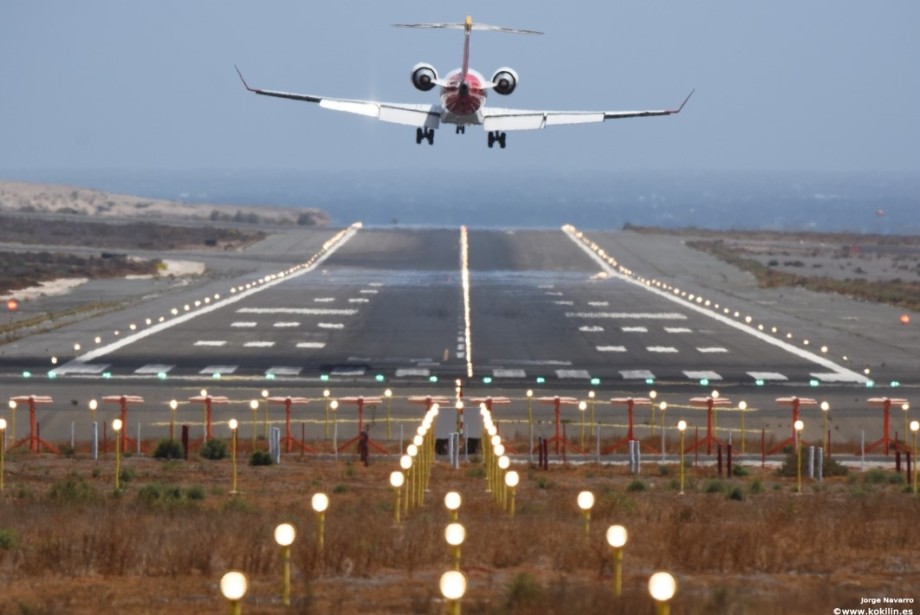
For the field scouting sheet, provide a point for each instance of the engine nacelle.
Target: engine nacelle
(504, 80)
(424, 76)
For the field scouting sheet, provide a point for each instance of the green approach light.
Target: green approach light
(26, 374)
(704, 382)
(52, 374)
(324, 377)
(595, 381)
(161, 375)
(432, 379)
(270, 376)
(870, 384)
(649, 381)
(759, 382)
(216, 375)
(895, 383)
(813, 382)
(541, 380)
(106, 375)
(487, 379)
(379, 378)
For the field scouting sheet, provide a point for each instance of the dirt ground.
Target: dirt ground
(749, 544)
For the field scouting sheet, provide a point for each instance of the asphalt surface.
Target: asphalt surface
(548, 312)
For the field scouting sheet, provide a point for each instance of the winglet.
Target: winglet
(680, 108)
(246, 85)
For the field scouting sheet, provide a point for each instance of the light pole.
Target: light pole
(504, 462)
(320, 503)
(284, 536)
(234, 424)
(233, 586)
(452, 501)
(591, 396)
(2, 449)
(799, 426)
(453, 586)
(93, 406)
(681, 427)
(12, 405)
(652, 395)
(455, 534)
(116, 427)
(905, 407)
(173, 405)
(582, 407)
(662, 407)
(405, 462)
(254, 407)
(585, 502)
(616, 538)
(397, 479)
(265, 420)
(530, 419)
(326, 401)
(742, 408)
(825, 407)
(388, 395)
(662, 586)
(511, 480)
(915, 427)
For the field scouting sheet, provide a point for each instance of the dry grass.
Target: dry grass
(67, 543)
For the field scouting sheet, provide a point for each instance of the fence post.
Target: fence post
(95, 441)
(184, 441)
(820, 463)
(811, 462)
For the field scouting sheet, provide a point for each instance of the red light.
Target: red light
(905, 319)
(12, 305)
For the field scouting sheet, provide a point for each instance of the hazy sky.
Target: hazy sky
(780, 85)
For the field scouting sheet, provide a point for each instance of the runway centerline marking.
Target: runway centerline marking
(839, 372)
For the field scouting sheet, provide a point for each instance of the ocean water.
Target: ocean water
(790, 201)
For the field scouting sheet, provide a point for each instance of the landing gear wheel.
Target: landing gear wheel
(419, 135)
(424, 134)
(461, 130)
(497, 137)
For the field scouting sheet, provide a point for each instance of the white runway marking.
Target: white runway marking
(634, 329)
(637, 374)
(153, 368)
(303, 311)
(368, 291)
(331, 325)
(663, 349)
(678, 330)
(701, 375)
(598, 303)
(348, 371)
(219, 369)
(554, 293)
(258, 344)
(284, 371)
(323, 299)
(244, 325)
(838, 377)
(82, 368)
(564, 302)
(288, 324)
(545, 286)
(767, 376)
(375, 284)
(465, 288)
(712, 349)
(508, 373)
(591, 329)
(611, 348)
(629, 315)
(573, 373)
(311, 344)
(359, 300)
(211, 343)
(527, 362)
(408, 372)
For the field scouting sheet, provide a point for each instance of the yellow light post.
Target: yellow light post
(320, 502)
(388, 395)
(681, 427)
(397, 479)
(799, 426)
(652, 395)
(662, 586)
(2, 449)
(173, 405)
(905, 407)
(326, 402)
(662, 408)
(455, 534)
(116, 427)
(265, 420)
(93, 406)
(915, 427)
(511, 480)
(453, 586)
(412, 451)
(582, 407)
(504, 462)
(233, 586)
(825, 407)
(715, 410)
(591, 396)
(616, 538)
(585, 502)
(254, 407)
(742, 408)
(405, 462)
(234, 425)
(284, 536)
(452, 501)
(530, 415)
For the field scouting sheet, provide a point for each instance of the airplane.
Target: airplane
(463, 98)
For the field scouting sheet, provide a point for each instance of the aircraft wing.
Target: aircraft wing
(497, 119)
(424, 116)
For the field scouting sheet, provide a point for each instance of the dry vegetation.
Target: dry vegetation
(745, 545)
(25, 269)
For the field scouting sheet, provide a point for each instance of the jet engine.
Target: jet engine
(424, 76)
(504, 80)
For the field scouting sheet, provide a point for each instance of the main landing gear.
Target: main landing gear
(497, 137)
(424, 134)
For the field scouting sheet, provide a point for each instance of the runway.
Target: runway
(548, 310)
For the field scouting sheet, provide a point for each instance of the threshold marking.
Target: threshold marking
(331, 325)
(215, 343)
(508, 373)
(637, 374)
(573, 373)
(286, 324)
(244, 324)
(153, 368)
(311, 345)
(591, 329)
(712, 349)
(634, 329)
(302, 311)
(662, 349)
(409, 372)
(692, 375)
(611, 348)
(258, 344)
(284, 371)
(767, 376)
(219, 369)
